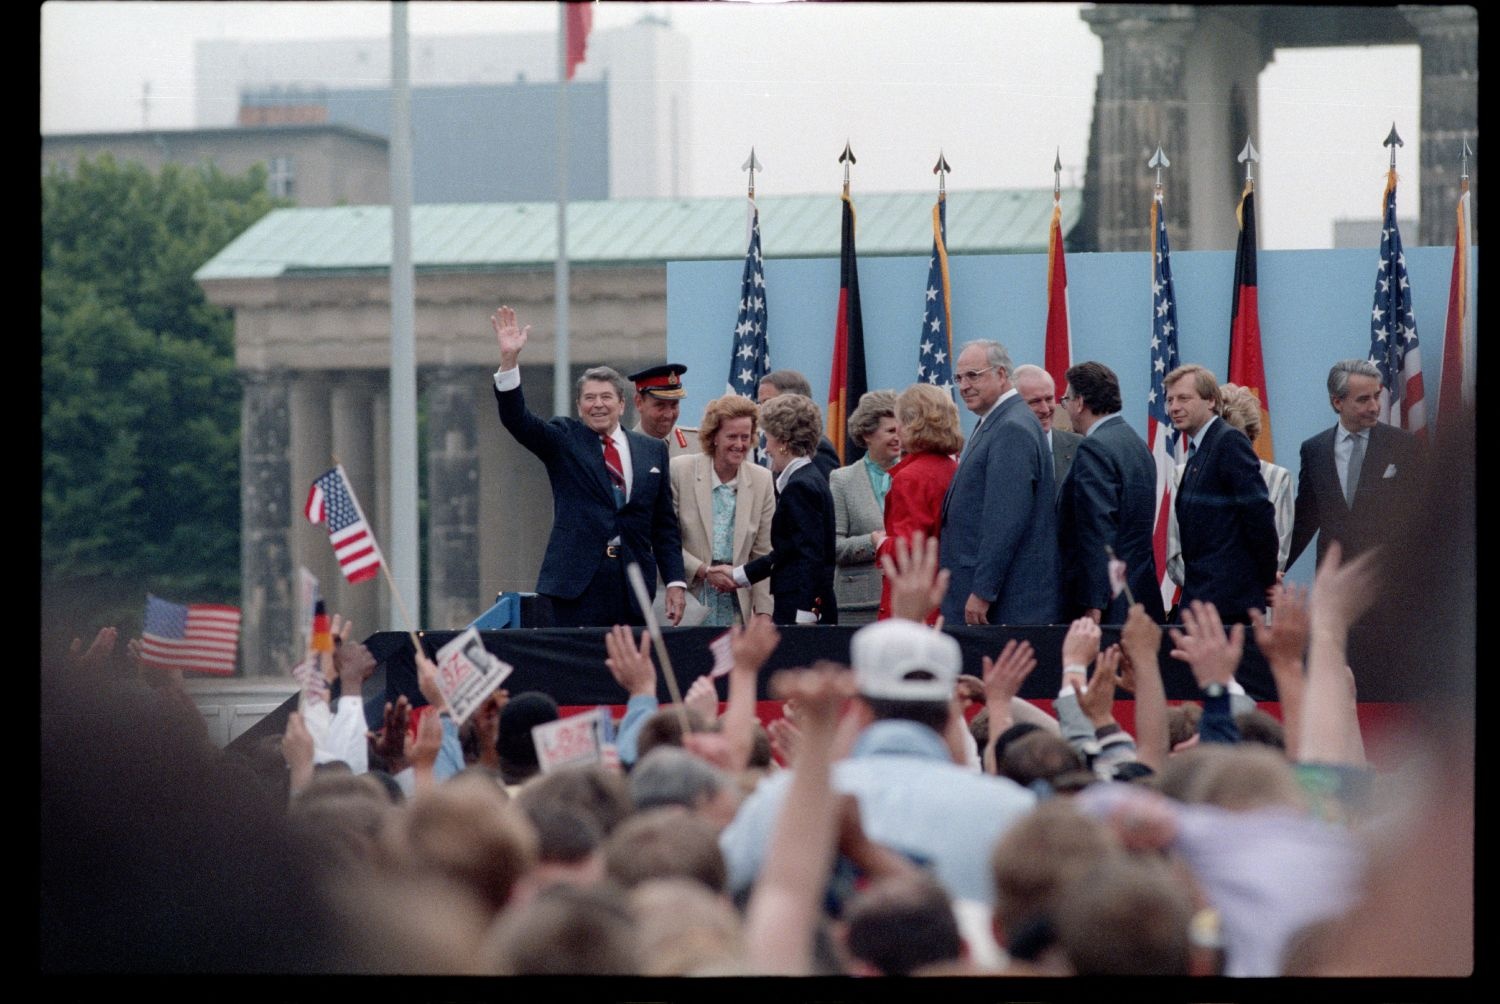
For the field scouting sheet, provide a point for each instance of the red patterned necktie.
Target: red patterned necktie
(615, 468)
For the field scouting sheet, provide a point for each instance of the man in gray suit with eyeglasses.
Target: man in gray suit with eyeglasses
(999, 535)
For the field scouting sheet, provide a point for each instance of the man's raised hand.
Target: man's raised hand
(511, 336)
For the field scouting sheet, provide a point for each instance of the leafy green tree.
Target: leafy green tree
(141, 405)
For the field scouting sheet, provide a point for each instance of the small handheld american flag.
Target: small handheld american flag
(202, 637)
(332, 501)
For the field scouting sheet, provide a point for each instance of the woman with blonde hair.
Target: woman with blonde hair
(800, 563)
(930, 437)
(724, 507)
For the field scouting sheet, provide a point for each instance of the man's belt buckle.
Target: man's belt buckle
(611, 550)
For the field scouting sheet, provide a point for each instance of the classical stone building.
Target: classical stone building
(1185, 76)
(310, 292)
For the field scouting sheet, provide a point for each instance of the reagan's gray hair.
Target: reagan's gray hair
(605, 374)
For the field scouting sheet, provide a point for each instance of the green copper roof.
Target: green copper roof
(634, 232)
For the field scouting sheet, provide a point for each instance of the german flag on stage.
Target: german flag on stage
(1246, 365)
(846, 381)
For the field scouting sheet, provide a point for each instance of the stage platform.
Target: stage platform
(568, 664)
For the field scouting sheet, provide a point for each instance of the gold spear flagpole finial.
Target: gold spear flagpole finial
(752, 165)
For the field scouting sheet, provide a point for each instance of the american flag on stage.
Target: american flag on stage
(935, 341)
(332, 501)
(1393, 330)
(202, 637)
(751, 359)
(1166, 443)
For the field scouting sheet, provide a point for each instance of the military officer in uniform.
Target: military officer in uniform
(658, 399)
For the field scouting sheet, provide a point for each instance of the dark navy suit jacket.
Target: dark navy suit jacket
(802, 550)
(999, 536)
(1321, 508)
(1109, 497)
(1227, 525)
(584, 517)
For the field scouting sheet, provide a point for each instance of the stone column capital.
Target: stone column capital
(1171, 23)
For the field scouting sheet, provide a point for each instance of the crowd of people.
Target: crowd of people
(898, 816)
(878, 827)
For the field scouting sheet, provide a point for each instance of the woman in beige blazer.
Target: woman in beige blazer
(743, 509)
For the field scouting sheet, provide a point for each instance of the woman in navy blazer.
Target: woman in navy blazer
(801, 562)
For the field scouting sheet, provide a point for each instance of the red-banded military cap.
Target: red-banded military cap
(664, 381)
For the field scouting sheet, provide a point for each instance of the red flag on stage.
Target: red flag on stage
(1058, 353)
(846, 381)
(1246, 365)
(580, 18)
(1456, 388)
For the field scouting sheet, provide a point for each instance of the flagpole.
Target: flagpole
(1057, 348)
(405, 536)
(1468, 325)
(941, 169)
(561, 398)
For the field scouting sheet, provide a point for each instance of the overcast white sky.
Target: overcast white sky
(997, 86)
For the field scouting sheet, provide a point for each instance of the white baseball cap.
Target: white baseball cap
(901, 660)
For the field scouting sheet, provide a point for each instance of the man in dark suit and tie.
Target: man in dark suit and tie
(1354, 474)
(1039, 391)
(611, 496)
(1225, 518)
(1107, 501)
(999, 532)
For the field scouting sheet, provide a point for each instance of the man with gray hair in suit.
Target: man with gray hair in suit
(1353, 474)
(999, 533)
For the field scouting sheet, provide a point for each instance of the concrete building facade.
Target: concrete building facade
(313, 165)
(644, 64)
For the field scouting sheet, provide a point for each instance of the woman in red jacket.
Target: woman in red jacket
(926, 414)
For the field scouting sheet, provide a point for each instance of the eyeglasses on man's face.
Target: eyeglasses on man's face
(969, 376)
